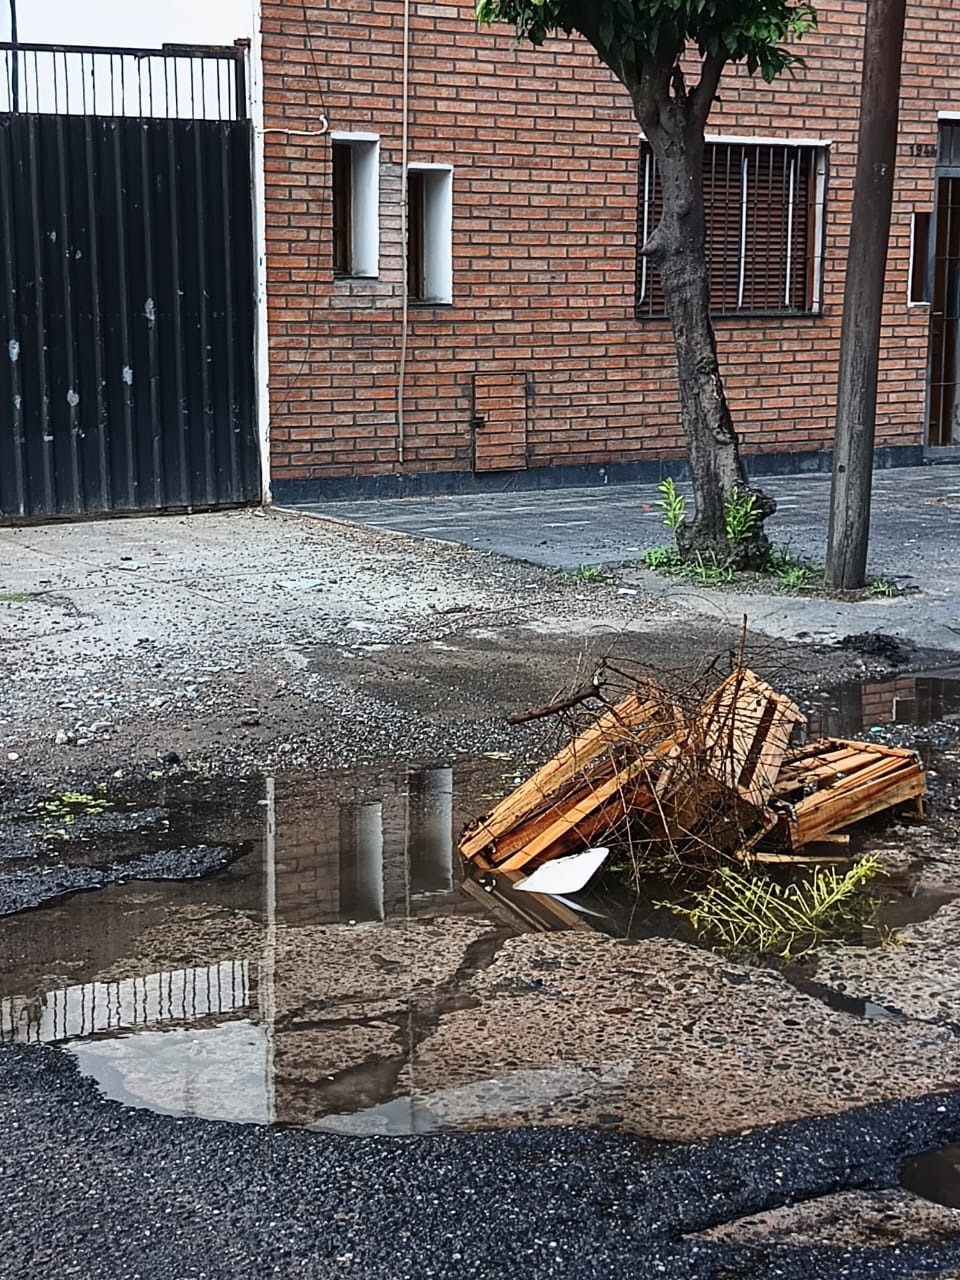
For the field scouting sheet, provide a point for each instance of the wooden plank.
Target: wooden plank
(536, 794)
(797, 859)
(814, 763)
(536, 911)
(831, 750)
(811, 789)
(539, 804)
(578, 815)
(530, 828)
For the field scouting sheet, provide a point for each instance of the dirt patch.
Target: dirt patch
(245, 640)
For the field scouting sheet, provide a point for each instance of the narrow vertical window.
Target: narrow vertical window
(356, 204)
(919, 259)
(430, 233)
(415, 235)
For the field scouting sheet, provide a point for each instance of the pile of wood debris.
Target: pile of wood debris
(722, 782)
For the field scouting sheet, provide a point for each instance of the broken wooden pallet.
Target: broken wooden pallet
(831, 784)
(686, 782)
(714, 792)
(746, 729)
(720, 782)
(599, 775)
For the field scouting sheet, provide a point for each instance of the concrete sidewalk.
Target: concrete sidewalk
(915, 541)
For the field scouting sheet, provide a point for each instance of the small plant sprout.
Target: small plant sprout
(709, 571)
(794, 577)
(672, 504)
(662, 560)
(741, 515)
(593, 574)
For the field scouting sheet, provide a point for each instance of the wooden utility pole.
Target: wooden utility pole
(863, 296)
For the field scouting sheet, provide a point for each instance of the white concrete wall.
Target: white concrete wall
(133, 23)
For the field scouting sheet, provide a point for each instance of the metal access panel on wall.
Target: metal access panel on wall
(126, 281)
(500, 412)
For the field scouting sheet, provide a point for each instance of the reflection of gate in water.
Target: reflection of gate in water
(207, 993)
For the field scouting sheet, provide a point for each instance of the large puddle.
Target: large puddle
(297, 985)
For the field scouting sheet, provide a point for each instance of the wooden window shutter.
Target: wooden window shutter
(342, 208)
(415, 234)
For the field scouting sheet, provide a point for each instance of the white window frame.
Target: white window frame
(926, 269)
(437, 231)
(364, 202)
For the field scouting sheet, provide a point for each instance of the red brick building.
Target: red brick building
(495, 329)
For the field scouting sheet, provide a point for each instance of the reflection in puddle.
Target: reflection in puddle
(297, 986)
(935, 1175)
(853, 708)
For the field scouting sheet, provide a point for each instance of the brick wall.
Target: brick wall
(544, 151)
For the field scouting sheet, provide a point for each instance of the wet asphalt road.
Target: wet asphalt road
(95, 1190)
(21, 890)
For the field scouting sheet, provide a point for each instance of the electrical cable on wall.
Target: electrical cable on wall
(405, 297)
(303, 133)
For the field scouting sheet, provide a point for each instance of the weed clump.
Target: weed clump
(746, 912)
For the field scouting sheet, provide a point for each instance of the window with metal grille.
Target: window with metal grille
(764, 226)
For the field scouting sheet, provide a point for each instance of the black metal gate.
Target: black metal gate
(126, 281)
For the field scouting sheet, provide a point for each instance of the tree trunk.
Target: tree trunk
(678, 249)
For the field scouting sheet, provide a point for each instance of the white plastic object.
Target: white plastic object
(567, 874)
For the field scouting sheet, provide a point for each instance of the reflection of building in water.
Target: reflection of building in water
(346, 850)
(908, 699)
(358, 858)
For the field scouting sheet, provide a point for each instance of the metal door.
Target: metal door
(500, 421)
(126, 282)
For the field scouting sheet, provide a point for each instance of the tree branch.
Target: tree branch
(701, 99)
(583, 694)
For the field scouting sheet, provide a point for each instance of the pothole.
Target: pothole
(934, 1175)
(297, 984)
